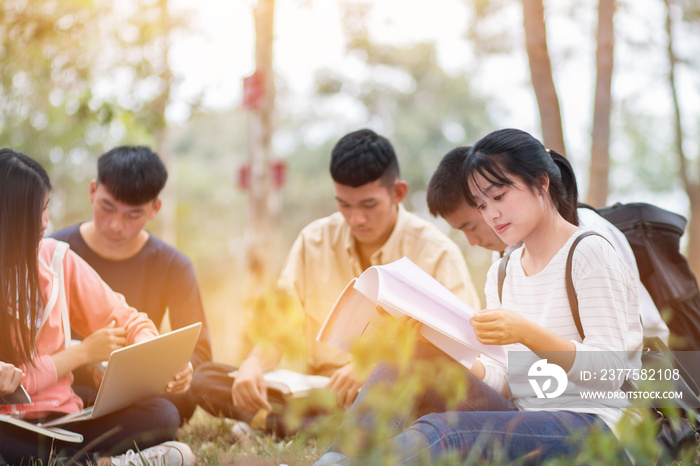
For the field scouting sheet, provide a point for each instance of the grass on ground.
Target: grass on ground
(214, 443)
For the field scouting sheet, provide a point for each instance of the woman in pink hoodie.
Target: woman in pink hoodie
(48, 289)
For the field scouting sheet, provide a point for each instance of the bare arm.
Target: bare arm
(249, 392)
(504, 327)
(95, 348)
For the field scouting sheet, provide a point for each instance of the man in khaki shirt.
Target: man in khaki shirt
(371, 227)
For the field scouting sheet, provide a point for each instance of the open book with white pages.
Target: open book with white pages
(293, 384)
(402, 287)
(54, 432)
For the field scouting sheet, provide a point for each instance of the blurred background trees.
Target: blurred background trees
(541, 75)
(80, 76)
(680, 19)
(602, 106)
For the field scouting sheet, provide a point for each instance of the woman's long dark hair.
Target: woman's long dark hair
(24, 185)
(515, 152)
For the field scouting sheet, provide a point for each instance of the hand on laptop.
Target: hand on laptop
(181, 383)
(100, 344)
(10, 378)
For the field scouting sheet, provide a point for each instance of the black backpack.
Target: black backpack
(655, 234)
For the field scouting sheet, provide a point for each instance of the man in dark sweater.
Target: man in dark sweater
(152, 275)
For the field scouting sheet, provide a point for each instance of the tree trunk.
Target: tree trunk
(692, 188)
(598, 186)
(261, 129)
(693, 231)
(169, 203)
(541, 75)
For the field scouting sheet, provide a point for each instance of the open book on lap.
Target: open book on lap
(20, 396)
(402, 287)
(54, 432)
(291, 383)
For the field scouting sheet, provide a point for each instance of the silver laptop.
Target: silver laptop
(137, 372)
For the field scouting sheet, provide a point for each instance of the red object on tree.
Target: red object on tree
(278, 174)
(244, 177)
(254, 90)
(278, 170)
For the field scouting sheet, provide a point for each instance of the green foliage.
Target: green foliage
(213, 441)
(322, 406)
(277, 321)
(49, 108)
(394, 341)
(637, 159)
(79, 77)
(485, 31)
(205, 155)
(637, 437)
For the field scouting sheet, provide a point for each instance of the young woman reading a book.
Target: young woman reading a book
(47, 289)
(528, 195)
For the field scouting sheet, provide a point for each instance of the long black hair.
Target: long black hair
(514, 152)
(24, 186)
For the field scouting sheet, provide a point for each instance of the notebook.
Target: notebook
(137, 372)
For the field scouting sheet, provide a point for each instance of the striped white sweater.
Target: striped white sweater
(608, 306)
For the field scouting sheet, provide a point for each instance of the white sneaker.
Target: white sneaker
(165, 454)
(332, 458)
(241, 430)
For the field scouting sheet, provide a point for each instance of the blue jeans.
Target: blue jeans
(495, 436)
(479, 427)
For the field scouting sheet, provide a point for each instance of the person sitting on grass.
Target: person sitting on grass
(370, 228)
(47, 289)
(152, 275)
(528, 195)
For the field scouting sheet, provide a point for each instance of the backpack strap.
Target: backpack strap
(570, 290)
(502, 264)
(589, 207)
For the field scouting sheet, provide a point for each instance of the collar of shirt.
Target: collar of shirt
(390, 245)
